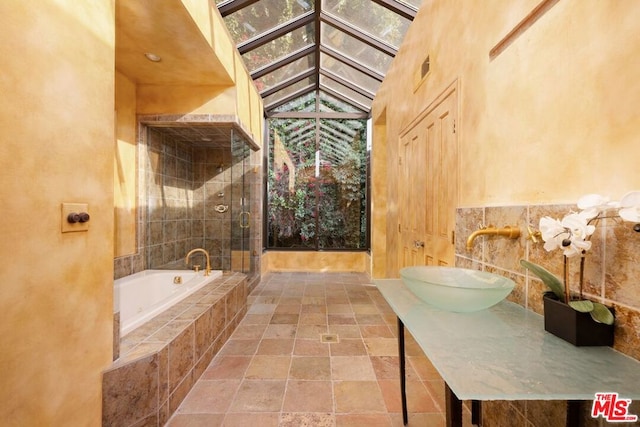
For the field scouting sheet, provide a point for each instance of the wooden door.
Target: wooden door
(428, 185)
(412, 148)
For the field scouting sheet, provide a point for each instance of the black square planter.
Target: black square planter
(572, 326)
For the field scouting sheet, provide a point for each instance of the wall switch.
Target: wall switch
(70, 215)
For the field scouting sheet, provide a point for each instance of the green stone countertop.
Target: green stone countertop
(504, 353)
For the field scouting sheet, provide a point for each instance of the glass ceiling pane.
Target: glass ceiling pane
(345, 91)
(260, 17)
(349, 127)
(349, 73)
(298, 126)
(339, 138)
(370, 18)
(305, 137)
(280, 47)
(306, 103)
(283, 73)
(304, 131)
(329, 104)
(354, 48)
(289, 90)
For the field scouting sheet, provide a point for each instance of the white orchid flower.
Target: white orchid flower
(578, 224)
(570, 234)
(553, 233)
(593, 205)
(630, 207)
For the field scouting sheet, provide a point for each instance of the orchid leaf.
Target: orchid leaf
(601, 314)
(583, 306)
(556, 286)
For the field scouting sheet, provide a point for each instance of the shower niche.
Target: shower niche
(200, 188)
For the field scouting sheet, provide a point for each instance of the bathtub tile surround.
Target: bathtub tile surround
(116, 335)
(610, 276)
(162, 359)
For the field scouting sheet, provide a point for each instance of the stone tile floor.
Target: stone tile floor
(315, 349)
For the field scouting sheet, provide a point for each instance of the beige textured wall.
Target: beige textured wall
(552, 117)
(57, 120)
(198, 36)
(214, 30)
(125, 164)
(160, 99)
(325, 261)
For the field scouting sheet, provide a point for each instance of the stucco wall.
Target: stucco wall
(125, 170)
(322, 261)
(57, 145)
(550, 118)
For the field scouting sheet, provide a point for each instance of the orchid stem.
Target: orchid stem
(581, 273)
(566, 280)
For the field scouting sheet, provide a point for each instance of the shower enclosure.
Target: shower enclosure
(200, 188)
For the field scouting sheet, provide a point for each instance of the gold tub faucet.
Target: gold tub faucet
(512, 232)
(206, 254)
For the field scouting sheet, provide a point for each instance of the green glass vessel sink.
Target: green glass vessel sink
(456, 289)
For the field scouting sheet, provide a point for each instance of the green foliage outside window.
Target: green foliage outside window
(325, 206)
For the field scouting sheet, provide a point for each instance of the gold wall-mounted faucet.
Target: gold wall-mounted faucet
(206, 254)
(512, 232)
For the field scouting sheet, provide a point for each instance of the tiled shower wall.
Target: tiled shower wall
(183, 191)
(182, 185)
(612, 270)
(171, 200)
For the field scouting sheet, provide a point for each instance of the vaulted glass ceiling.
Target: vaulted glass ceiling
(318, 55)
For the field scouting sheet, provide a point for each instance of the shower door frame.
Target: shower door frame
(241, 243)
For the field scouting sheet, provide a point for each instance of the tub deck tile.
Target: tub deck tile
(177, 345)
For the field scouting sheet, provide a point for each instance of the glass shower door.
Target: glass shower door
(241, 220)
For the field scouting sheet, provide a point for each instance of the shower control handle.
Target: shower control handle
(244, 224)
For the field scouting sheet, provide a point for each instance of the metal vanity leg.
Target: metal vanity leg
(403, 381)
(476, 413)
(454, 408)
(573, 413)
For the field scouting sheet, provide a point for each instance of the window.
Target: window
(317, 180)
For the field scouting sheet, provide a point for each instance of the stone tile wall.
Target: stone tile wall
(179, 183)
(612, 270)
(162, 359)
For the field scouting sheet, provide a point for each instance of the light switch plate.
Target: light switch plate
(68, 208)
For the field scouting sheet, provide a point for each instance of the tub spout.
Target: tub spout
(512, 232)
(206, 254)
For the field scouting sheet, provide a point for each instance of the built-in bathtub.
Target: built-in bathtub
(159, 361)
(142, 296)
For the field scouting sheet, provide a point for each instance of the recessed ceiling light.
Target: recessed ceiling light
(153, 57)
(206, 139)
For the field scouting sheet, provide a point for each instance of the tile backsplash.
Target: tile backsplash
(612, 270)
